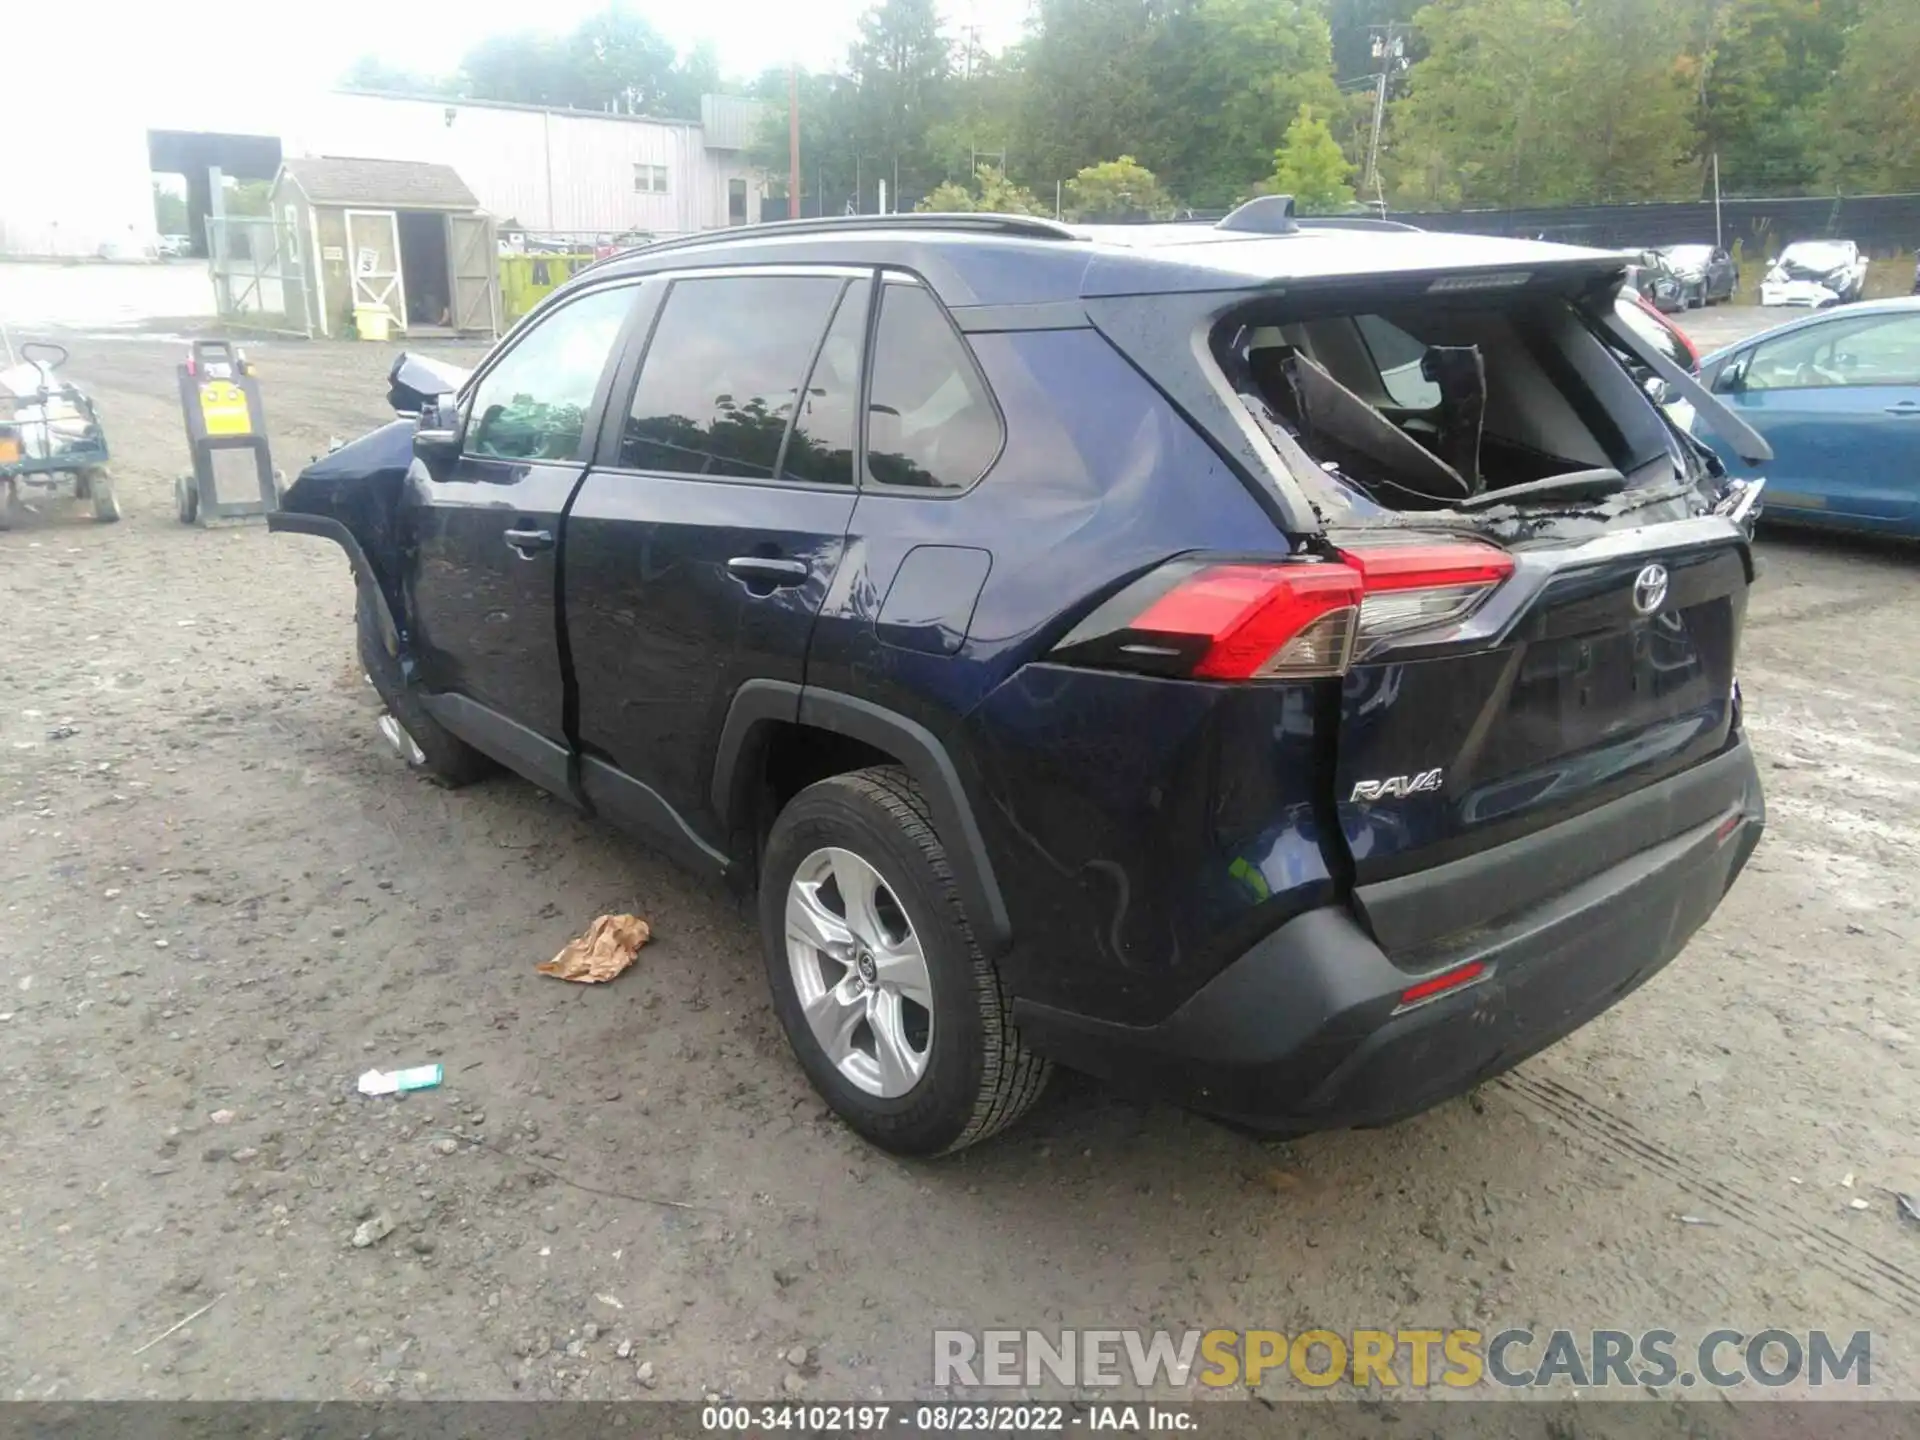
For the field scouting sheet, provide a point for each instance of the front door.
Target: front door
(702, 543)
(1839, 402)
(485, 528)
(373, 251)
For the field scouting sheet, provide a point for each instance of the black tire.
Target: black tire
(979, 1076)
(447, 759)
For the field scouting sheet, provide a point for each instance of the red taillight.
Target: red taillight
(1685, 339)
(1262, 621)
(1292, 620)
(1422, 585)
(1440, 984)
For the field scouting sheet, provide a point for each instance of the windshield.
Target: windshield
(1688, 254)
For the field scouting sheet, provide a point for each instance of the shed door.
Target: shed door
(470, 244)
(373, 251)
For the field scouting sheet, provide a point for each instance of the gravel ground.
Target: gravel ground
(221, 899)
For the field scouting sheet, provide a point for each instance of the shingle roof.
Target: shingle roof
(331, 180)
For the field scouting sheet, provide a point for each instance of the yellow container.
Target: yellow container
(526, 280)
(372, 321)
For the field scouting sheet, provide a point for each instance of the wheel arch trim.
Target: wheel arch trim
(290, 522)
(759, 703)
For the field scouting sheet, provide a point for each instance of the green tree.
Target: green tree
(1763, 70)
(1310, 167)
(995, 195)
(903, 67)
(1122, 189)
(1873, 117)
(1228, 75)
(613, 60)
(1351, 23)
(1088, 88)
(834, 169)
(370, 72)
(169, 211)
(1543, 102)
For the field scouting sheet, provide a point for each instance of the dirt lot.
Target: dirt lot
(221, 899)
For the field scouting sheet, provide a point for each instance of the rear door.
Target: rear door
(702, 543)
(1839, 401)
(485, 525)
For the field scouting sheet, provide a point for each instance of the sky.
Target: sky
(163, 68)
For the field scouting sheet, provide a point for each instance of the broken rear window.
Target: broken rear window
(1429, 403)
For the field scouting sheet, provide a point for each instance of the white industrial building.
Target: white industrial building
(572, 173)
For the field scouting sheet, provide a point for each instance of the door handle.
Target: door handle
(525, 542)
(1905, 407)
(768, 570)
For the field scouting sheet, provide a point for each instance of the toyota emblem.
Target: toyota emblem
(1650, 589)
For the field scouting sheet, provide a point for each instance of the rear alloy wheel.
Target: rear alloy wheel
(895, 1014)
(859, 973)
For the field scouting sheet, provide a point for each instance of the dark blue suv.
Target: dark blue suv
(1286, 667)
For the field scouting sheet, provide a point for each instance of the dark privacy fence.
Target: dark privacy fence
(1882, 224)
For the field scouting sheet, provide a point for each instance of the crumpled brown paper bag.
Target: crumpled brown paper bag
(603, 952)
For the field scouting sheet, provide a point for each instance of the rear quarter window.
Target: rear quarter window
(931, 423)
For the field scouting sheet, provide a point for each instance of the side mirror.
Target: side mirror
(440, 428)
(416, 380)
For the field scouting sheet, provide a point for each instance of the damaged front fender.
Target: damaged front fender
(352, 497)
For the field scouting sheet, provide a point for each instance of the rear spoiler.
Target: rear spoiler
(1744, 439)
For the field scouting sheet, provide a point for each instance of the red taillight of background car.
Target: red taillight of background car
(1686, 340)
(1304, 619)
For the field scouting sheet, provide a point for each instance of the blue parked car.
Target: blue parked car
(1837, 395)
(1284, 667)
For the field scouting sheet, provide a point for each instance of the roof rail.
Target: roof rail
(1032, 227)
(1355, 222)
(1262, 215)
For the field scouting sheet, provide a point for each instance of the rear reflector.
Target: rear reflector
(1286, 620)
(1440, 984)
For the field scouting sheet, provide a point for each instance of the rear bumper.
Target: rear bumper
(1307, 1030)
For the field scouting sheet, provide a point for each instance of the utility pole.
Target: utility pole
(1389, 47)
(793, 140)
(1719, 238)
(1371, 180)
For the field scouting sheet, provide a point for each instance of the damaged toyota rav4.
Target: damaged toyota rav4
(1283, 667)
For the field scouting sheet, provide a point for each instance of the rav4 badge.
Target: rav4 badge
(1398, 785)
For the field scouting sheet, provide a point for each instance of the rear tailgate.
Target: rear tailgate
(1595, 671)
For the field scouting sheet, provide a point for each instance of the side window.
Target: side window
(532, 405)
(821, 446)
(930, 422)
(1397, 356)
(727, 359)
(1874, 350)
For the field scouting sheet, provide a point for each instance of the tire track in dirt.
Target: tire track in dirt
(1834, 1252)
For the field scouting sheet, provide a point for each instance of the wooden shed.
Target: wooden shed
(402, 235)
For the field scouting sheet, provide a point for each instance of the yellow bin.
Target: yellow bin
(372, 321)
